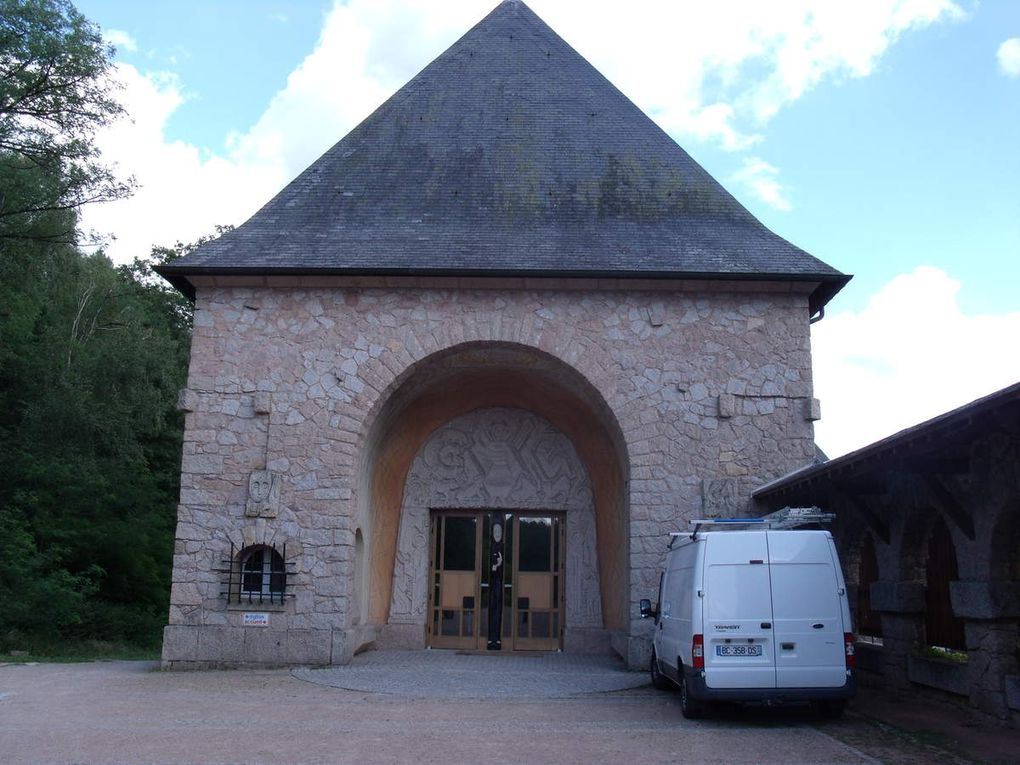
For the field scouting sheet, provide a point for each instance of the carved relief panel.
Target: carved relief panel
(263, 494)
(497, 458)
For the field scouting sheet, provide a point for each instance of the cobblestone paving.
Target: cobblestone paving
(455, 675)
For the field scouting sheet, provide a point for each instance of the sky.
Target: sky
(882, 136)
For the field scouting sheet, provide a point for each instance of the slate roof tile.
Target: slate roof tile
(508, 154)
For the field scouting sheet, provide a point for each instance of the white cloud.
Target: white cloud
(183, 191)
(744, 59)
(910, 355)
(706, 71)
(120, 40)
(759, 179)
(1008, 56)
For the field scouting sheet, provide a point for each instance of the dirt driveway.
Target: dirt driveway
(129, 712)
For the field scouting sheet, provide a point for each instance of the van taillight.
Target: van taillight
(848, 642)
(698, 652)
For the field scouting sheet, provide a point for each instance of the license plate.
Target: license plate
(738, 650)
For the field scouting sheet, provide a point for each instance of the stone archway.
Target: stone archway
(482, 375)
(497, 459)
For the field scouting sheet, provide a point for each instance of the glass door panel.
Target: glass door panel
(526, 563)
(454, 598)
(538, 581)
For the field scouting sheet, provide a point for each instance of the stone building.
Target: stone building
(928, 529)
(481, 356)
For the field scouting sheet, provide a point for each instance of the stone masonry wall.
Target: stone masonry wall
(710, 386)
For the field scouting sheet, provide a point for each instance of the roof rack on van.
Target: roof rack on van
(787, 518)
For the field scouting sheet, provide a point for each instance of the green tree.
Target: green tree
(90, 445)
(91, 358)
(55, 92)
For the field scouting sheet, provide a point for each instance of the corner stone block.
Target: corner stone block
(813, 410)
(727, 405)
(897, 597)
(985, 600)
(187, 400)
(262, 403)
(1012, 683)
(180, 642)
(265, 646)
(308, 646)
(219, 644)
(656, 314)
(341, 651)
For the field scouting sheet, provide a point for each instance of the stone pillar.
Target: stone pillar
(901, 605)
(992, 611)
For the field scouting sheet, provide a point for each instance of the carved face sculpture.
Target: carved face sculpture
(259, 486)
(497, 532)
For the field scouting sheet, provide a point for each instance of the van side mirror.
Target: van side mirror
(645, 605)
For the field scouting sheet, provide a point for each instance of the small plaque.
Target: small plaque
(256, 620)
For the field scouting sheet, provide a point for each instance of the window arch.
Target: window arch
(260, 576)
(869, 622)
(942, 627)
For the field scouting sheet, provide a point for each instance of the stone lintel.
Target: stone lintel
(897, 597)
(985, 600)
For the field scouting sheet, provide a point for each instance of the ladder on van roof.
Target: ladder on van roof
(787, 518)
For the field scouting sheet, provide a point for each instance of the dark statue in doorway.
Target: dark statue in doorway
(496, 535)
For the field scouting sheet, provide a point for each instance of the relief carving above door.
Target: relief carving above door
(498, 458)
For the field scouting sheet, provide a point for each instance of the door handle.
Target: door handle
(766, 625)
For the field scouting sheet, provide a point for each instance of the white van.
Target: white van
(752, 615)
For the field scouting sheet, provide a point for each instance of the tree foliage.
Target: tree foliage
(90, 446)
(91, 358)
(55, 92)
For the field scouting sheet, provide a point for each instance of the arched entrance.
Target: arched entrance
(543, 393)
(497, 540)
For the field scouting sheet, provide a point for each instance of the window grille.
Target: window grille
(256, 575)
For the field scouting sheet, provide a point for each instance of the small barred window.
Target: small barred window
(262, 574)
(257, 574)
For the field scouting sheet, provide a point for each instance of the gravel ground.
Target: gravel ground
(129, 712)
(454, 675)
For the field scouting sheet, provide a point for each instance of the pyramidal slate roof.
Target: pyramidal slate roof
(509, 155)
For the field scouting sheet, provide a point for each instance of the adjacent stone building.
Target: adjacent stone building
(482, 356)
(928, 529)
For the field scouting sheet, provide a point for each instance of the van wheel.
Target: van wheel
(659, 680)
(689, 708)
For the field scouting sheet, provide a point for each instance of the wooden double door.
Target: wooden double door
(496, 580)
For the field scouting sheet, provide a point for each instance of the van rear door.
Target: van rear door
(806, 603)
(739, 644)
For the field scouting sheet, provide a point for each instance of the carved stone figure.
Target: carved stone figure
(495, 639)
(411, 568)
(719, 496)
(263, 494)
(584, 605)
